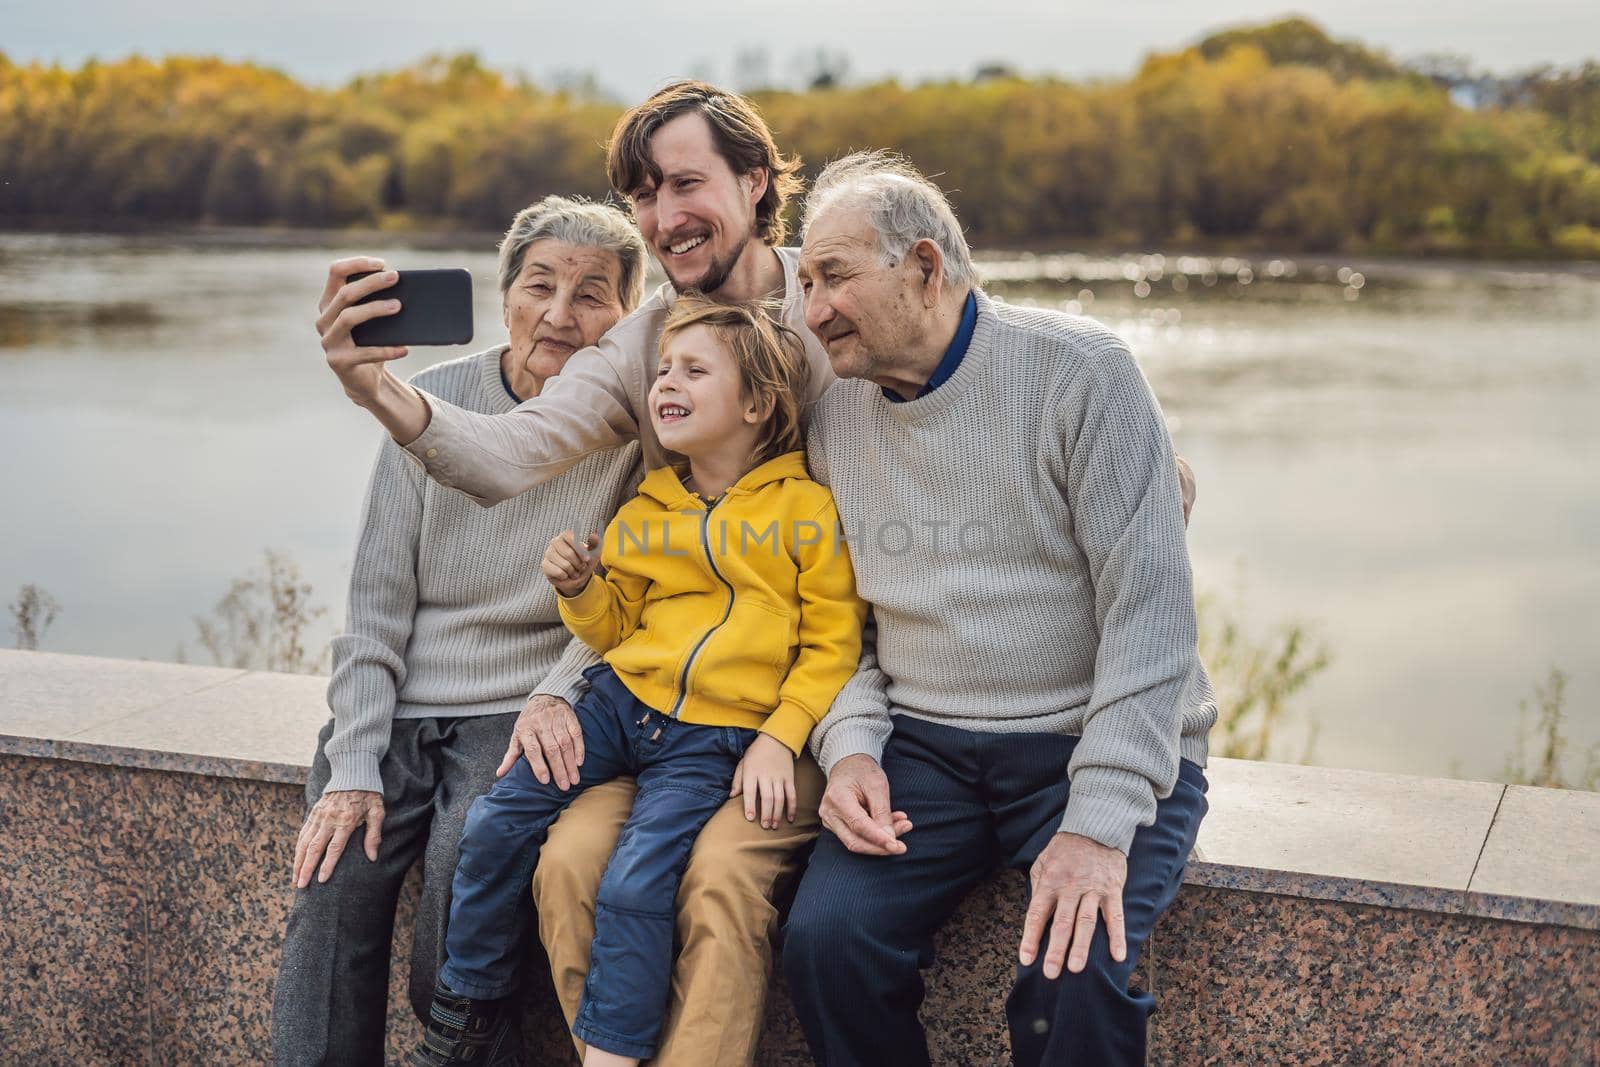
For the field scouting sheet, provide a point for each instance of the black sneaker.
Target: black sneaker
(482, 1033)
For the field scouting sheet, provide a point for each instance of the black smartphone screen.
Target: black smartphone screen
(435, 309)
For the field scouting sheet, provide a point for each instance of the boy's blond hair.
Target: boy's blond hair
(774, 372)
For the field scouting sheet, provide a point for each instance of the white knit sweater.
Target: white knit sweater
(1019, 534)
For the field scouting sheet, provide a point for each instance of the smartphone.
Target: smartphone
(435, 309)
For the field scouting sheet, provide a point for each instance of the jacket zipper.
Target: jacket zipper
(705, 543)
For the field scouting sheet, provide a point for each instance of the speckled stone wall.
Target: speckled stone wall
(1248, 977)
(142, 913)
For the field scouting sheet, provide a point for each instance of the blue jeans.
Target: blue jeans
(862, 926)
(684, 772)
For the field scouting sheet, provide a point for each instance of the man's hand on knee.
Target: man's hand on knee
(1075, 881)
(328, 828)
(548, 734)
(856, 808)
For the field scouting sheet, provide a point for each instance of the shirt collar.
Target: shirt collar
(952, 355)
(506, 383)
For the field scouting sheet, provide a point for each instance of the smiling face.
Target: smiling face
(563, 299)
(700, 217)
(698, 405)
(869, 317)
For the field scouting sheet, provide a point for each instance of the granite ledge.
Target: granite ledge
(211, 721)
(156, 760)
(1359, 837)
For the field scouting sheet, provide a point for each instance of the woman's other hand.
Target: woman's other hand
(327, 830)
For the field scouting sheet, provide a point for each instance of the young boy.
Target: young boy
(728, 621)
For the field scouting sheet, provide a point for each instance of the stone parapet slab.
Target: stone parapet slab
(1357, 837)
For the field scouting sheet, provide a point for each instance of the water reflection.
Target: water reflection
(1409, 469)
(59, 322)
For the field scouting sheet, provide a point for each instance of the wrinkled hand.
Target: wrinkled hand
(569, 567)
(856, 808)
(765, 778)
(328, 828)
(1076, 880)
(1186, 486)
(547, 732)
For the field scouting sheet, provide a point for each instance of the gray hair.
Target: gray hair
(903, 206)
(577, 221)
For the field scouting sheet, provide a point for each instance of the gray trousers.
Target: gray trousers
(333, 988)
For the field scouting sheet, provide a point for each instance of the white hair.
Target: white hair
(903, 206)
(580, 222)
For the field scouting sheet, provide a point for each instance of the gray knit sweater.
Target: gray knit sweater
(1019, 534)
(449, 613)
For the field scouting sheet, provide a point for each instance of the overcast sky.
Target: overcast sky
(634, 45)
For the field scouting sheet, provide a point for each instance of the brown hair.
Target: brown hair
(738, 131)
(773, 368)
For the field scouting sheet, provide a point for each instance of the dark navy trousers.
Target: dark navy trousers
(684, 772)
(862, 926)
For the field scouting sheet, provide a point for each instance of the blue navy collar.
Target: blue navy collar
(953, 355)
(506, 382)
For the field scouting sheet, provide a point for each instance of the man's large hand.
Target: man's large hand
(1075, 880)
(547, 731)
(363, 371)
(856, 808)
(328, 828)
(1186, 487)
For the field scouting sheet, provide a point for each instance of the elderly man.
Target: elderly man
(1015, 516)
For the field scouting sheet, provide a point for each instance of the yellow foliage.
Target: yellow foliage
(1276, 134)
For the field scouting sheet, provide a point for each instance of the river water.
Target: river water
(1399, 456)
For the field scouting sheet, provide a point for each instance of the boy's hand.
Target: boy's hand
(765, 777)
(569, 567)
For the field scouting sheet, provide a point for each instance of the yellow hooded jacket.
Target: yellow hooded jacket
(741, 614)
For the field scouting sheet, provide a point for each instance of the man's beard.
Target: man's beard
(716, 273)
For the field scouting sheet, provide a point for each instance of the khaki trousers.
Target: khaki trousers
(726, 914)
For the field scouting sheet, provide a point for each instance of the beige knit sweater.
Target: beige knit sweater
(449, 612)
(1019, 534)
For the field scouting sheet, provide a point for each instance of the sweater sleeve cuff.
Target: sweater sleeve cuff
(425, 448)
(432, 452)
(590, 603)
(1108, 805)
(790, 724)
(354, 770)
(863, 738)
(566, 679)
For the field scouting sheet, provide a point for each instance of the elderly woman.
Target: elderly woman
(451, 626)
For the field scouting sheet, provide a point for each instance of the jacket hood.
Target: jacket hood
(665, 487)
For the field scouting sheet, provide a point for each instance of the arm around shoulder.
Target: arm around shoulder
(589, 407)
